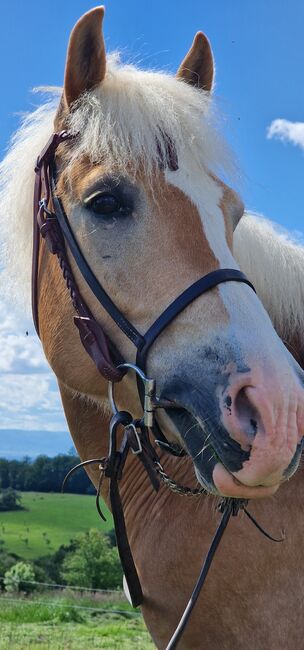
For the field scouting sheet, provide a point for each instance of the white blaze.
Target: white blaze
(249, 322)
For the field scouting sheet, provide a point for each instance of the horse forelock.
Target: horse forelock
(132, 115)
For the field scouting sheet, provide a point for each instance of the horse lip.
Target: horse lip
(176, 409)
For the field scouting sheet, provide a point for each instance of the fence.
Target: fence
(121, 612)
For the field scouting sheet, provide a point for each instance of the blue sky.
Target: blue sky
(259, 54)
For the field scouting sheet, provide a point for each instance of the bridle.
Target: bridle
(53, 226)
(51, 223)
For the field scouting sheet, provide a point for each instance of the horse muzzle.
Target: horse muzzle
(238, 447)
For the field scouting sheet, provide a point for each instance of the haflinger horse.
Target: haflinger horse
(230, 362)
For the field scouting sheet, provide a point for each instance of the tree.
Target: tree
(9, 500)
(20, 578)
(4, 473)
(93, 563)
(44, 474)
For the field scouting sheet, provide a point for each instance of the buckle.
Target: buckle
(150, 401)
(49, 228)
(132, 427)
(49, 150)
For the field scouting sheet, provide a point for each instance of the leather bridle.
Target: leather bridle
(54, 227)
(52, 224)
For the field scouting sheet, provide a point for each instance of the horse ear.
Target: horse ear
(197, 68)
(86, 57)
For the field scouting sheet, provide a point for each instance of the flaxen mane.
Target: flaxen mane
(274, 261)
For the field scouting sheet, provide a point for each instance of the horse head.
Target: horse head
(140, 189)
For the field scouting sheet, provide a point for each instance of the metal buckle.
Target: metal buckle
(150, 401)
(137, 436)
(43, 205)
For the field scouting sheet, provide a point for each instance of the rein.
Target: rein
(51, 223)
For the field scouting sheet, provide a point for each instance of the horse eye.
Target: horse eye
(103, 204)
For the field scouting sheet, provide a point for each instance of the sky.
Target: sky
(259, 57)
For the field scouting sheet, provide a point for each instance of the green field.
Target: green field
(48, 521)
(54, 622)
(62, 620)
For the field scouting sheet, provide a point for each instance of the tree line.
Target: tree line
(44, 474)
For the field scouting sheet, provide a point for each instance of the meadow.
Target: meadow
(70, 622)
(47, 521)
(62, 619)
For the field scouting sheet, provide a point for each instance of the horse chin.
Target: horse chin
(226, 485)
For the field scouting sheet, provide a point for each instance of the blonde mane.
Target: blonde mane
(274, 262)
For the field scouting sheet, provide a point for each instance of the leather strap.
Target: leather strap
(47, 226)
(201, 286)
(123, 546)
(43, 161)
(99, 292)
(204, 284)
(114, 468)
(35, 254)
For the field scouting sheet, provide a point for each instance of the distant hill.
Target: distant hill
(16, 443)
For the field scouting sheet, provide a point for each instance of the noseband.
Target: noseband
(52, 224)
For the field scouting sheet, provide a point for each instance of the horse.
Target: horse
(141, 187)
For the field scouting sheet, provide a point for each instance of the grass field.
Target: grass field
(54, 622)
(48, 521)
(62, 620)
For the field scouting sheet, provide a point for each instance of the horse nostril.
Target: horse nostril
(246, 413)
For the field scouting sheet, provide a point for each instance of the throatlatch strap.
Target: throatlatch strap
(35, 255)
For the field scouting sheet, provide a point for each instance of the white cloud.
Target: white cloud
(20, 349)
(287, 131)
(29, 397)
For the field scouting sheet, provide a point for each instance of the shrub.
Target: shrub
(9, 500)
(19, 578)
(93, 563)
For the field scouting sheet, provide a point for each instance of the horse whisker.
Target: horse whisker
(190, 429)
